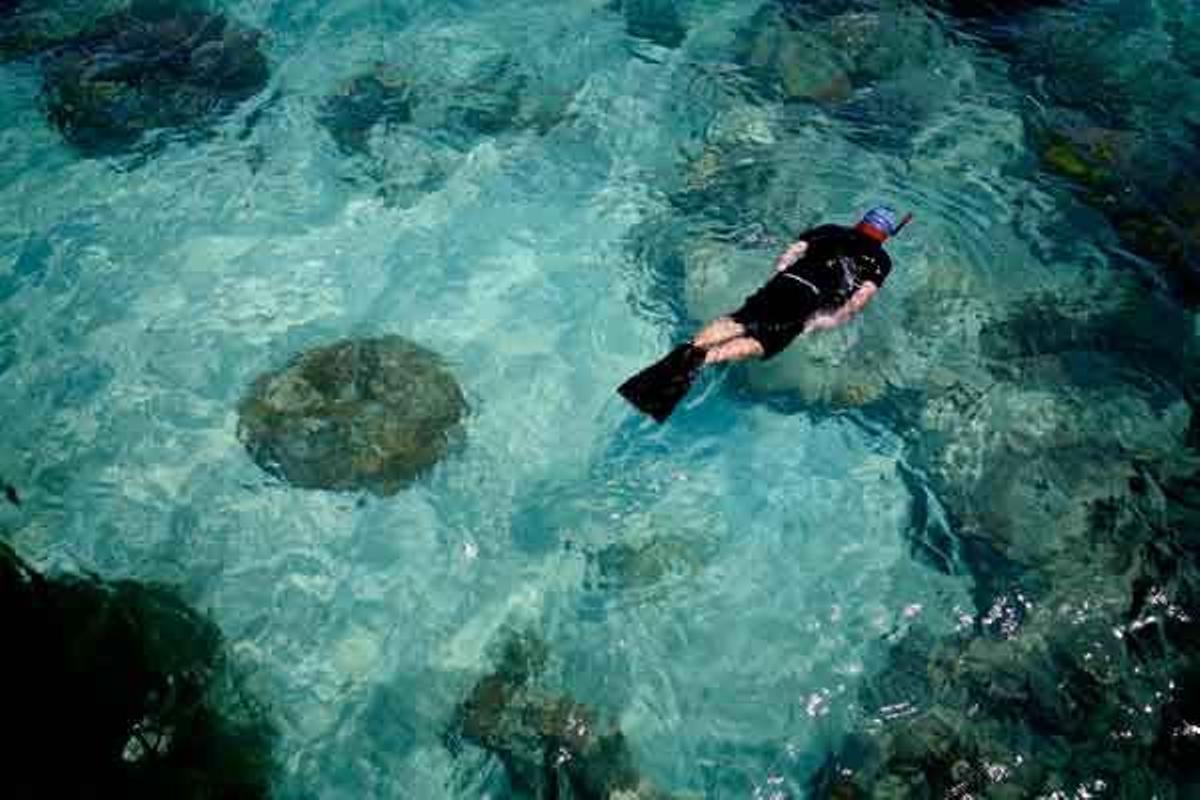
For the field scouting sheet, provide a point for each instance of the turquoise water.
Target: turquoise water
(803, 516)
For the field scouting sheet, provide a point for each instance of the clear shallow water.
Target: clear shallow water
(141, 295)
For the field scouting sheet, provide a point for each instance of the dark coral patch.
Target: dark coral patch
(119, 689)
(136, 74)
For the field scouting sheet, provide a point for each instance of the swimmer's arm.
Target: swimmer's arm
(857, 302)
(791, 255)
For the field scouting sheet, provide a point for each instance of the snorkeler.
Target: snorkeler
(823, 280)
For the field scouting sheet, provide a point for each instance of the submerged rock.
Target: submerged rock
(1152, 203)
(1112, 112)
(409, 135)
(121, 690)
(141, 72)
(1089, 685)
(1044, 706)
(619, 520)
(369, 119)
(1109, 64)
(1091, 155)
(793, 61)
(972, 9)
(1012, 462)
(550, 745)
(489, 103)
(1167, 235)
(1047, 413)
(359, 414)
(381, 97)
(730, 182)
(645, 565)
(654, 20)
(30, 27)
(804, 54)
(1075, 674)
(500, 95)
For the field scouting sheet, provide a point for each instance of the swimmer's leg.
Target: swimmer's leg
(739, 349)
(720, 330)
(657, 389)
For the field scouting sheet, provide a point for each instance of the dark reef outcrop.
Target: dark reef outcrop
(119, 689)
(551, 746)
(31, 27)
(408, 133)
(1091, 688)
(150, 69)
(1071, 488)
(379, 97)
(656, 21)
(1148, 191)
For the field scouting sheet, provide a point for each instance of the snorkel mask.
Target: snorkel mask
(880, 223)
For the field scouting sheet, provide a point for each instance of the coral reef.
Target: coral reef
(550, 745)
(1120, 173)
(655, 21)
(31, 27)
(826, 56)
(367, 414)
(791, 61)
(1070, 493)
(382, 96)
(119, 689)
(149, 69)
(410, 134)
(1049, 700)
(1111, 115)
(499, 96)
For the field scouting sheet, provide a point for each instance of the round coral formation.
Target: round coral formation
(367, 414)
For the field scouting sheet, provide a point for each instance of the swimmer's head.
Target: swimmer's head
(881, 222)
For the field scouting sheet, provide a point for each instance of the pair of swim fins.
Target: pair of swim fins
(656, 390)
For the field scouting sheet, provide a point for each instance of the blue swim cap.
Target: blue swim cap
(882, 219)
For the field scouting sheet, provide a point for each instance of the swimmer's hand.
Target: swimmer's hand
(791, 255)
(853, 307)
(823, 322)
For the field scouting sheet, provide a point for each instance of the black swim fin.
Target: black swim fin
(658, 388)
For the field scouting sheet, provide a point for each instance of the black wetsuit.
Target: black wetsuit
(837, 262)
